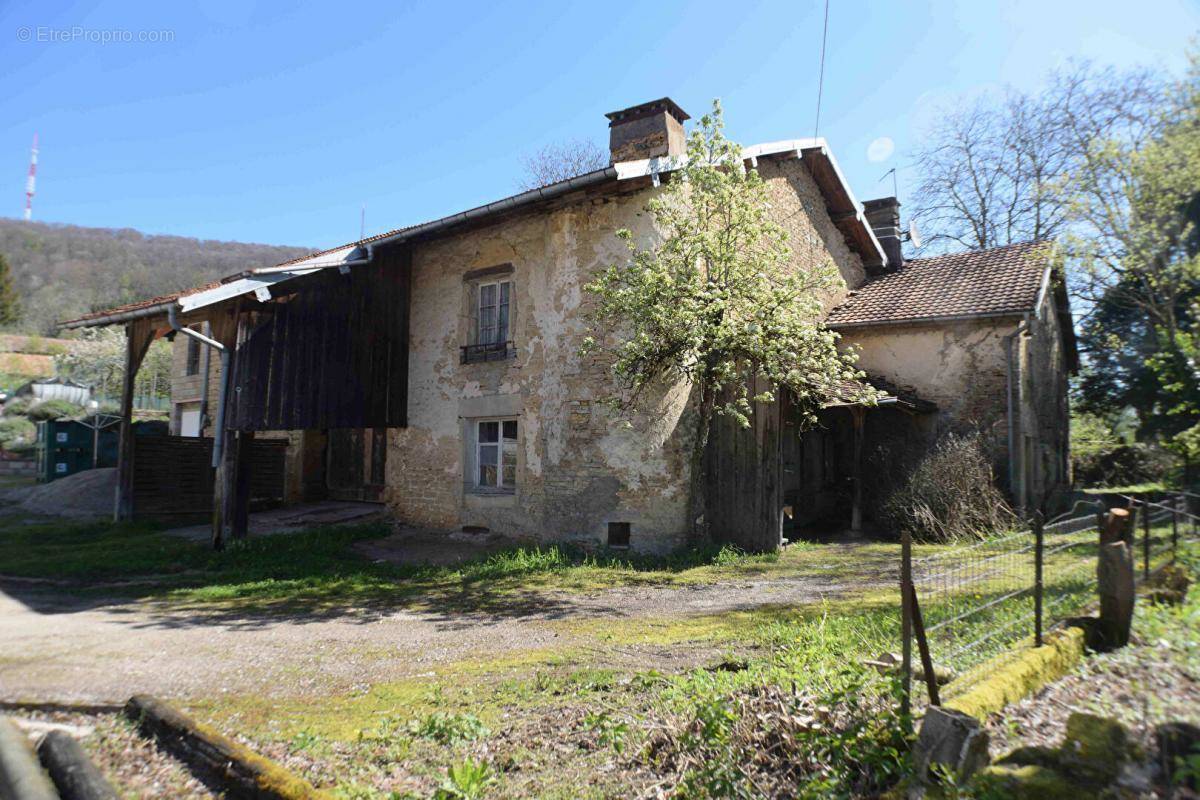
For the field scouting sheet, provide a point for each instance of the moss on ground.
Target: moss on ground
(1015, 674)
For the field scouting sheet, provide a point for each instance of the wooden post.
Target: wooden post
(1039, 537)
(923, 647)
(240, 513)
(225, 478)
(1118, 527)
(857, 413)
(1115, 584)
(138, 336)
(906, 593)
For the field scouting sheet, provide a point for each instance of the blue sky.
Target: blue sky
(274, 123)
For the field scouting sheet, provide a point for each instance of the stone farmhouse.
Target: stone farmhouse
(436, 369)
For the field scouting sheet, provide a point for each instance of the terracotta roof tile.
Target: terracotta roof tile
(1002, 280)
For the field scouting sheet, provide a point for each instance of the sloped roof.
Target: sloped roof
(995, 282)
(840, 202)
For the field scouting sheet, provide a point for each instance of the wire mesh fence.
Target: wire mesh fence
(965, 605)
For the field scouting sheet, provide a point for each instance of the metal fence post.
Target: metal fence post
(1038, 587)
(1175, 527)
(1145, 540)
(906, 592)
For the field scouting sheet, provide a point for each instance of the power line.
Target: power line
(821, 74)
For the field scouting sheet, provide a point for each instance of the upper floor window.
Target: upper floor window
(493, 312)
(193, 356)
(490, 299)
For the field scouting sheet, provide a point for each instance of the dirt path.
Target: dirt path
(70, 650)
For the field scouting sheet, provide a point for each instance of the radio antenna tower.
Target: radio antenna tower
(31, 180)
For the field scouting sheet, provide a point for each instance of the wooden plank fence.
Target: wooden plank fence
(173, 476)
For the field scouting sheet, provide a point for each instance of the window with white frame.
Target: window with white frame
(492, 314)
(496, 454)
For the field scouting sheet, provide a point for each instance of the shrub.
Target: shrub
(950, 494)
(1127, 465)
(16, 434)
(54, 409)
(17, 406)
(768, 741)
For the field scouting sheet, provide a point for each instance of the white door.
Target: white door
(189, 420)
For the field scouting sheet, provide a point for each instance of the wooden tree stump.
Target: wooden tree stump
(1118, 527)
(1114, 575)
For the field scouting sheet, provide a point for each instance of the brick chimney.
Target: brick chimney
(883, 215)
(645, 131)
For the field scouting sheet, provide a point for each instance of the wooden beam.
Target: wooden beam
(857, 413)
(232, 489)
(225, 479)
(138, 336)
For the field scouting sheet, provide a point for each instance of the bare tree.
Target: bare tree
(559, 161)
(999, 170)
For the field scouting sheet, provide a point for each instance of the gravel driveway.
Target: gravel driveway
(64, 649)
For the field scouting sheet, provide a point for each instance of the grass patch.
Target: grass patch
(319, 568)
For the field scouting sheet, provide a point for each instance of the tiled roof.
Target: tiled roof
(140, 304)
(1002, 280)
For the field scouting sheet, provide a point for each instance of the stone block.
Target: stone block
(1030, 782)
(952, 739)
(1094, 749)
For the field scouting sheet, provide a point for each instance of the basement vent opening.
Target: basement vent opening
(475, 529)
(618, 534)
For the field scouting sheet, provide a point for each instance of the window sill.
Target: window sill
(483, 353)
(483, 491)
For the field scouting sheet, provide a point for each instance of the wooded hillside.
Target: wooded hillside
(63, 271)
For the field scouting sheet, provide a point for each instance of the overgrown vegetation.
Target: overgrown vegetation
(950, 494)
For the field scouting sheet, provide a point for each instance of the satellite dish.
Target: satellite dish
(914, 235)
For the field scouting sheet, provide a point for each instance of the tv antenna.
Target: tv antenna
(892, 172)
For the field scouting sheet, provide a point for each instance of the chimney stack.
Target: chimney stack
(646, 131)
(883, 215)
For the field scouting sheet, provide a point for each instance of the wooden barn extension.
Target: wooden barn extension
(326, 350)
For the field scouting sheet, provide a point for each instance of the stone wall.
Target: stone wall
(1044, 416)
(959, 366)
(962, 367)
(579, 467)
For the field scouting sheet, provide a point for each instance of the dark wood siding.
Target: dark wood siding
(332, 355)
(745, 476)
(173, 476)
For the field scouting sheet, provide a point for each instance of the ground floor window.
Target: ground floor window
(496, 454)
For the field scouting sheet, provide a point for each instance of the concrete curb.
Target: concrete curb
(65, 707)
(21, 776)
(1018, 673)
(243, 773)
(73, 773)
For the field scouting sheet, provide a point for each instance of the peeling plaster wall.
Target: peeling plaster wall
(959, 366)
(579, 467)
